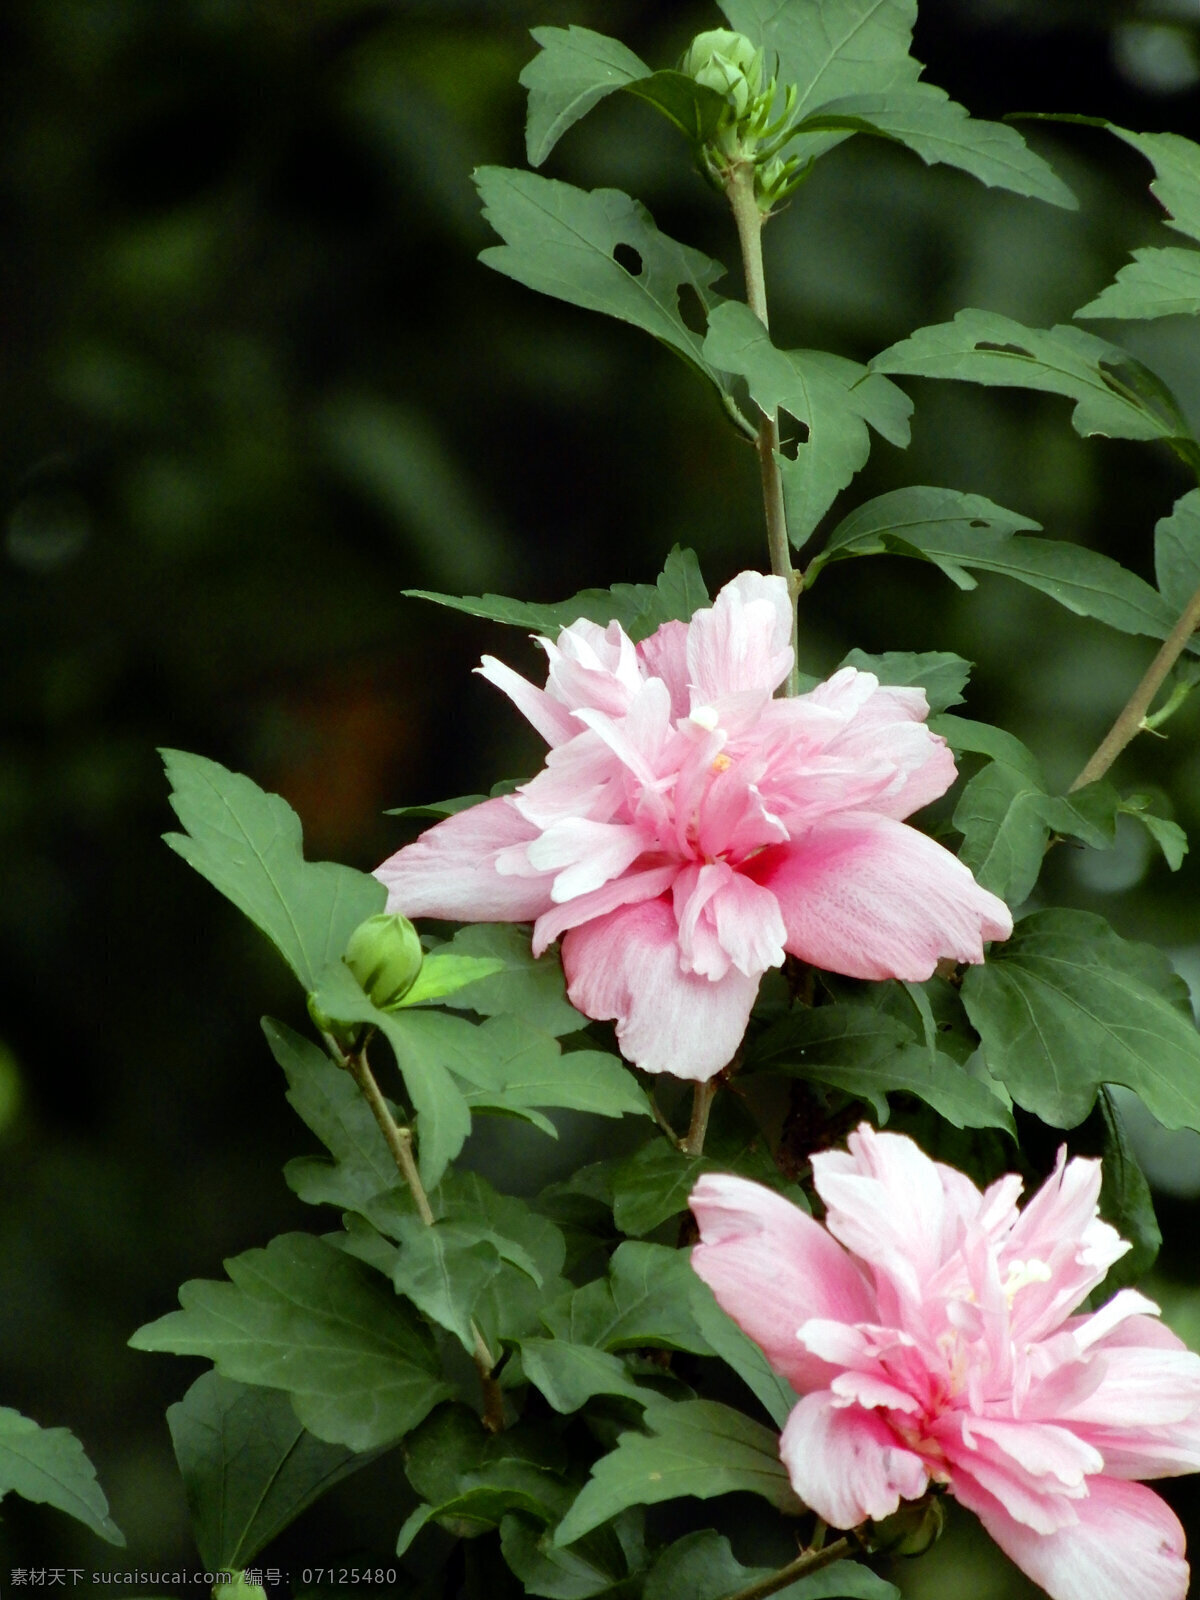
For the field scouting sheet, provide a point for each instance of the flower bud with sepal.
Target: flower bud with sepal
(384, 953)
(729, 63)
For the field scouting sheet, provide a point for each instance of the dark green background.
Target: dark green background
(256, 385)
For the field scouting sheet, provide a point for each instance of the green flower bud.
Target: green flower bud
(913, 1529)
(728, 63)
(385, 955)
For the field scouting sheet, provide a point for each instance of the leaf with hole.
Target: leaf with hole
(1113, 394)
(565, 242)
(306, 1318)
(960, 533)
(834, 399)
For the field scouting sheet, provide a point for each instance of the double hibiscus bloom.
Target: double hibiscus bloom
(689, 829)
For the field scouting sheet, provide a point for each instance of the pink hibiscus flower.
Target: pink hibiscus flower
(928, 1328)
(688, 829)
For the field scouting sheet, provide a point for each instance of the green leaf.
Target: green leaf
(511, 1066)
(423, 1043)
(1168, 836)
(471, 1479)
(831, 48)
(640, 608)
(833, 398)
(694, 109)
(654, 1183)
(942, 676)
(1067, 1005)
(247, 843)
(574, 70)
(326, 1098)
(1176, 162)
(851, 65)
(1156, 283)
(570, 1374)
(642, 1301)
(1113, 394)
(532, 989)
(442, 975)
(692, 1447)
(1177, 552)
(981, 738)
(561, 241)
(306, 1318)
(957, 531)
(869, 1054)
(1125, 1200)
(248, 1467)
(702, 1566)
(1001, 816)
(938, 129)
(738, 1351)
(593, 1566)
(528, 1250)
(48, 1465)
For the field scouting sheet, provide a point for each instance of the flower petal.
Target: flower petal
(625, 966)
(1126, 1542)
(741, 642)
(846, 1463)
(450, 871)
(551, 719)
(773, 1269)
(870, 897)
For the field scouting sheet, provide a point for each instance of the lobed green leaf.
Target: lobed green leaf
(248, 844)
(1156, 283)
(692, 1447)
(306, 1318)
(48, 1466)
(1067, 1005)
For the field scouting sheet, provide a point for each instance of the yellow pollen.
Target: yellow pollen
(721, 764)
(1022, 1273)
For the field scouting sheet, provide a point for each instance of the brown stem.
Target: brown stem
(400, 1143)
(1129, 723)
(692, 1143)
(739, 189)
(808, 1561)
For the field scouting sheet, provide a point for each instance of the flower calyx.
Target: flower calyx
(732, 66)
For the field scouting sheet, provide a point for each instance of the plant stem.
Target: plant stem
(808, 1561)
(692, 1143)
(1131, 720)
(739, 190)
(400, 1143)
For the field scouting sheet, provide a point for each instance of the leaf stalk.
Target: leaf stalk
(807, 1561)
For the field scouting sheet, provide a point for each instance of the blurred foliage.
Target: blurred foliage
(256, 384)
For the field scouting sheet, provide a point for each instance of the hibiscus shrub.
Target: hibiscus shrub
(718, 857)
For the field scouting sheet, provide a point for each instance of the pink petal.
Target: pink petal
(846, 1463)
(664, 655)
(628, 890)
(625, 966)
(773, 1269)
(585, 855)
(869, 897)
(1126, 1545)
(742, 642)
(551, 719)
(450, 871)
(726, 919)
